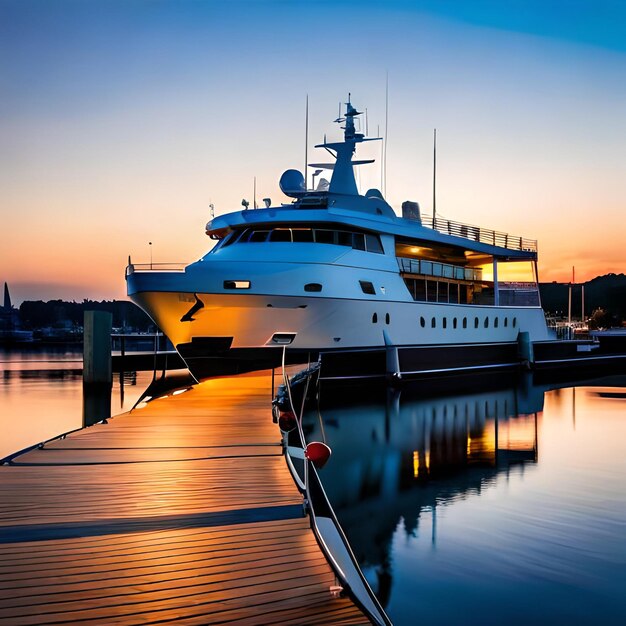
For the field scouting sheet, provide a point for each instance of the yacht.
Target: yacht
(337, 270)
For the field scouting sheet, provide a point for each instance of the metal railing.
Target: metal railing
(482, 235)
(155, 267)
(441, 270)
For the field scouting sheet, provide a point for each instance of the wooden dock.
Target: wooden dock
(181, 511)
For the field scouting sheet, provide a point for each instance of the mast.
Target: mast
(306, 142)
(434, 177)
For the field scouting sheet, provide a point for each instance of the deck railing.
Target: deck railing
(441, 270)
(155, 267)
(482, 235)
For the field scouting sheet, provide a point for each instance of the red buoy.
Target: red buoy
(318, 453)
(287, 421)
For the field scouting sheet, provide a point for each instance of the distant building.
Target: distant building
(10, 321)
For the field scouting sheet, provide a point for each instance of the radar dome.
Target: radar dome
(292, 184)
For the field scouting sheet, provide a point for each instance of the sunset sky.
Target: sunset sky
(120, 121)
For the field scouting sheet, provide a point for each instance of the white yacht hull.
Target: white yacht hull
(229, 326)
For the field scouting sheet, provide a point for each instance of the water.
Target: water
(485, 507)
(41, 395)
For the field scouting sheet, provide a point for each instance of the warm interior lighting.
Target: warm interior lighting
(416, 464)
(414, 250)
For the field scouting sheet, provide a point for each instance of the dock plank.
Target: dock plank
(181, 510)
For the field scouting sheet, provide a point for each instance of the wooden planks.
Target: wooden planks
(183, 510)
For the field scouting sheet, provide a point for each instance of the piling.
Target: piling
(525, 348)
(97, 347)
(97, 370)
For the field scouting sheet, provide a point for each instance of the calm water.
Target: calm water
(504, 505)
(41, 395)
(498, 507)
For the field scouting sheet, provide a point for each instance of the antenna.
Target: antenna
(434, 177)
(212, 209)
(386, 133)
(382, 144)
(306, 141)
(254, 194)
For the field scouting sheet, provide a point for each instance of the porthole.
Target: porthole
(387, 318)
(433, 323)
(375, 318)
(514, 322)
(422, 322)
(454, 322)
(495, 323)
(313, 287)
(506, 322)
(475, 322)
(465, 322)
(486, 322)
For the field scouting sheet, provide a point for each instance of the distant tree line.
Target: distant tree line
(36, 314)
(605, 300)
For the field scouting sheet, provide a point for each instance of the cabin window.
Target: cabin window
(236, 284)
(445, 322)
(358, 241)
(454, 323)
(367, 287)
(514, 322)
(486, 322)
(373, 243)
(258, 236)
(387, 318)
(495, 323)
(229, 239)
(422, 322)
(302, 235)
(475, 322)
(369, 242)
(344, 238)
(465, 322)
(506, 322)
(324, 236)
(375, 318)
(433, 323)
(280, 234)
(312, 287)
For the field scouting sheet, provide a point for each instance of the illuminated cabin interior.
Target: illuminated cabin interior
(446, 274)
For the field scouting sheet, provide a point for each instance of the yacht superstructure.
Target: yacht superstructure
(337, 270)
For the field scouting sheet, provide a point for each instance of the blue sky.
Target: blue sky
(121, 121)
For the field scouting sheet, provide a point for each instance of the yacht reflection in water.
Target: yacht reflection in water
(393, 460)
